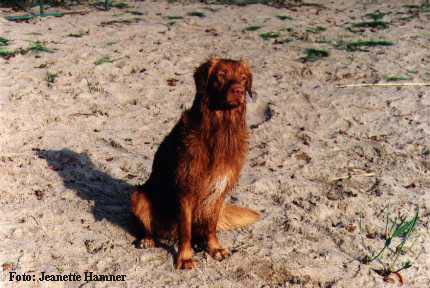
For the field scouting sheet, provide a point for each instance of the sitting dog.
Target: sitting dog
(197, 164)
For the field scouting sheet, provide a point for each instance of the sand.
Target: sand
(325, 165)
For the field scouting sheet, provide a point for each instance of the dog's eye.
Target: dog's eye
(221, 74)
(243, 78)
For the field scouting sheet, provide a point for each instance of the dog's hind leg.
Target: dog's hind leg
(141, 208)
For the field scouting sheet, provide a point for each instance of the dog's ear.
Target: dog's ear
(203, 73)
(212, 64)
(201, 78)
(248, 73)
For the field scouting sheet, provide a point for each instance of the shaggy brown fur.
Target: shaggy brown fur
(198, 163)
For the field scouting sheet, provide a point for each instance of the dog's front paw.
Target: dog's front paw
(185, 263)
(146, 243)
(219, 253)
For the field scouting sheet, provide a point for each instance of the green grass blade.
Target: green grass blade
(196, 14)
(4, 41)
(102, 60)
(371, 24)
(316, 30)
(405, 228)
(269, 35)
(360, 44)
(6, 54)
(253, 28)
(173, 17)
(312, 55)
(283, 17)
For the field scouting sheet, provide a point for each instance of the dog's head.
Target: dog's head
(225, 82)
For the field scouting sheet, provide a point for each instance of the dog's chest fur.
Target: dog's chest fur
(217, 188)
(226, 144)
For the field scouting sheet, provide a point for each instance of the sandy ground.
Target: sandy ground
(325, 166)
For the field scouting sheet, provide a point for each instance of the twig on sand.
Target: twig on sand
(349, 176)
(81, 12)
(35, 220)
(382, 85)
(38, 224)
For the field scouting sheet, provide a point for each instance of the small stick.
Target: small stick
(382, 85)
(81, 12)
(371, 174)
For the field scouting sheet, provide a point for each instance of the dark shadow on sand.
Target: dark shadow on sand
(111, 196)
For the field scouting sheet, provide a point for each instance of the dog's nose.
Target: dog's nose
(238, 91)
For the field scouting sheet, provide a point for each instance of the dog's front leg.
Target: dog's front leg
(214, 248)
(184, 259)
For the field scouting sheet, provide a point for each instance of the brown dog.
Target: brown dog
(198, 163)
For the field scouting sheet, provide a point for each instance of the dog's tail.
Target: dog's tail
(233, 216)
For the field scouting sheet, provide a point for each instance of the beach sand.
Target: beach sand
(325, 166)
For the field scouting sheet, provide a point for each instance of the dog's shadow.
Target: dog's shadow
(111, 196)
